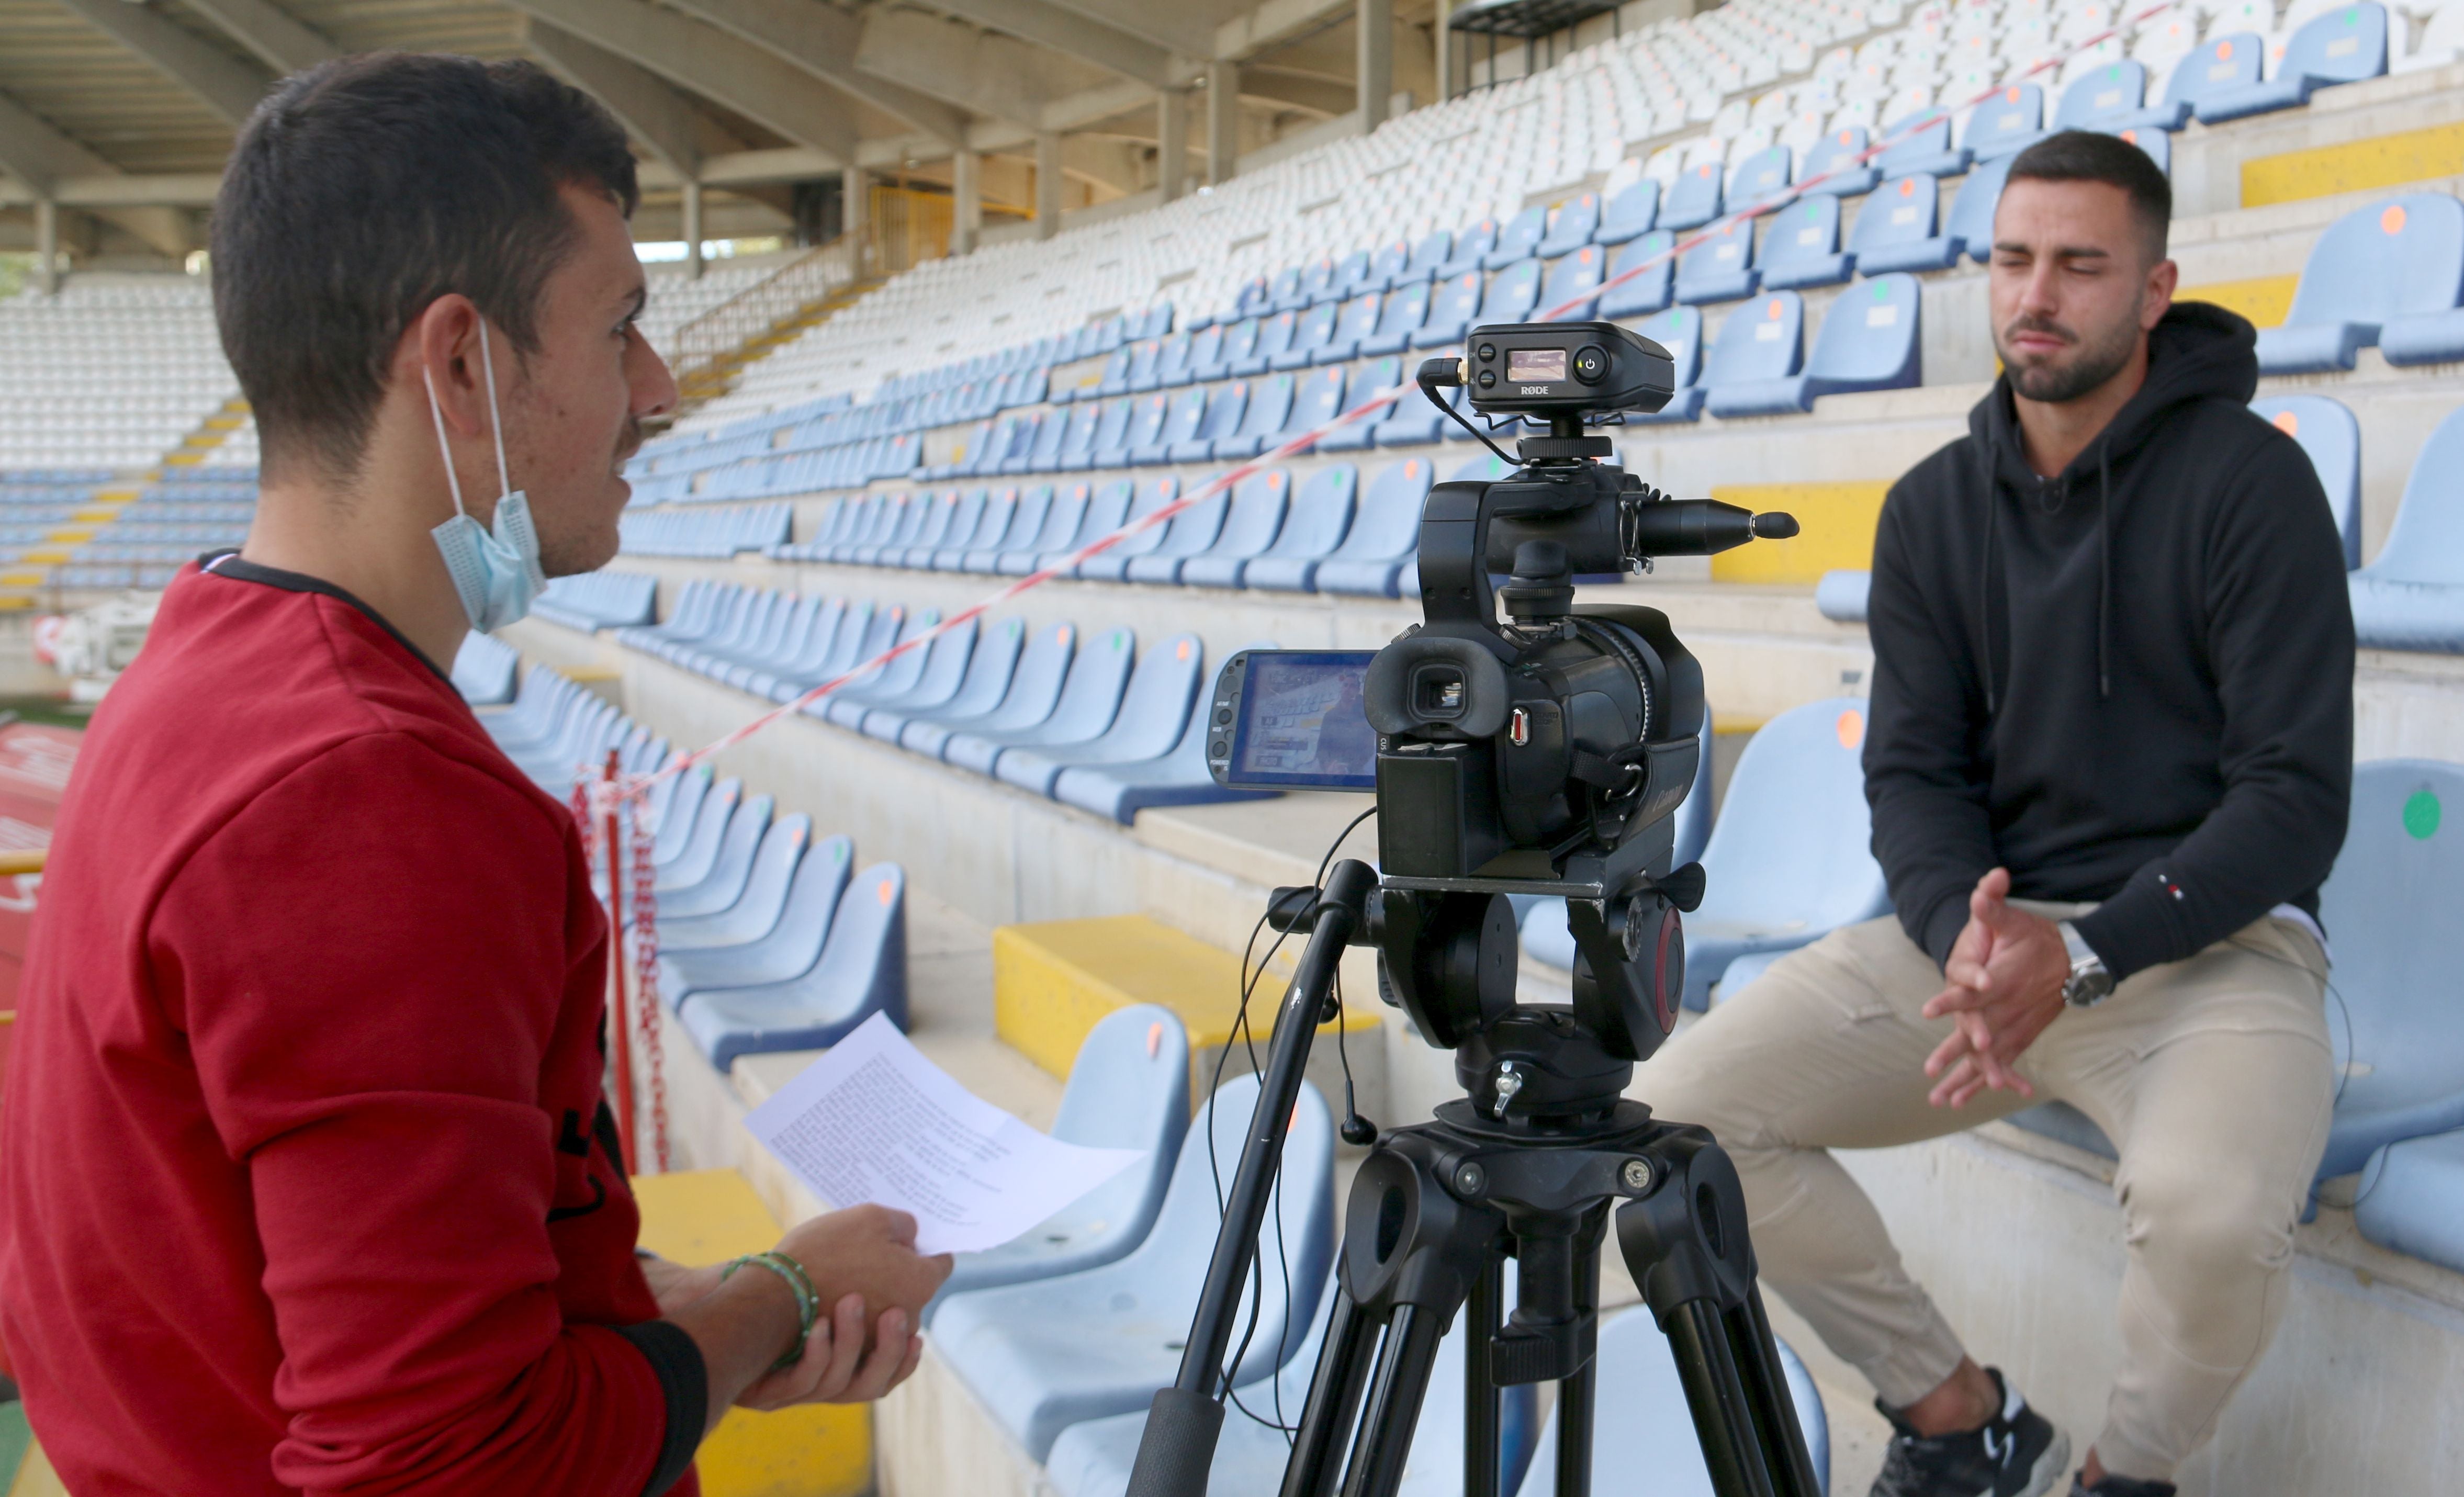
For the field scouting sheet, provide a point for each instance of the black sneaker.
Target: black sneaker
(2120, 1487)
(2017, 1453)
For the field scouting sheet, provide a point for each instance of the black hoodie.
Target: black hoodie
(2131, 683)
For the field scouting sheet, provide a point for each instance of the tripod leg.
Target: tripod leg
(1395, 1394)
(1775, 1406)
(1481, 1313)
(1732, 1449)
(1334, 1397)
(1578, 1395)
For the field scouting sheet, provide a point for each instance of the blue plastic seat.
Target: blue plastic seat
(2222, 66)
(1694, 199)
(1205, 352)
(1146, 424)
(1679, 331)
(1110, 441)
(1571, 223)
(1923, 146)
(1649, 291)
(1108, 564)
(847, 705)
(1413, 422)
(861, 971)
(1032, 537)
(1238, 341)
(2155, 143)
(1114, 380)
(1470, 247)
(1895, 229)
(1385, 536)
(2345, 45)
(1789, 858)
(992, 521)
(1077, 446)
(1155, 554)
(1762, 175)
(1172, 361)
(1842, 593)
(1025, 695)
(791, 671)
(690, 862)
(483, 670)
(1574, 279)
(1315, 401)
(789, 948)
(1356, 320)
(1145, 356)
(2375, 268)
(1512, 294)
(1154, 709)
(1519, 239)
(1014, 529)
(1314, 527)
(1869, 342)
(1178, 776)
(1642, 1431)
(1355, 273)
(1251, 523)
(1320, 283)
(1129, 1088)
(1832, 160)
(1801, 248)
(724, 882)
(1274, 336)
(980, 658)
(1044, 1356)
(1450, 312)
(2413, 596)
(1400, 315)
(1188, 410)
(1367, 382)
(1721, 268)
(1760, 341)
(2113, 98)
(2007, 124)
(1271, 403)
(1969, 226)
(2410, 1198)
(1309, 337)
(1632, 211)
(955, 526)
(1225, 406)
(1081, 712)
(1434, 249)
(1284, 291)
(2333, 441)
(755, 909)
(1105, 513)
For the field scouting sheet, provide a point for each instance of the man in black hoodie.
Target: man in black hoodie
(2108, 759)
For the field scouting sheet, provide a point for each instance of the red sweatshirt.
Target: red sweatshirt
(309, 1181)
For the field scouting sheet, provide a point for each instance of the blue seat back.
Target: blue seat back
(1806, 229)
(1870, 333)
(1036, 684)
(990, 665)
(1241, 340)
(1576, 278)
(1837, 149)
(1173, 359)
(2117, 88)
(1153, 323)
(1679, 331)
(1149, 497)
(1388, 263)
(1091, 697)
(1647, 292)
(1154, 708)
(1112, 427)
(1142, 363)
(2427, 542)
(1025, 521)
(1315, 282)
(1719, 254)
(992, 521)
(1255, 515)
(2157, 143)
(1207, 348)
(1388, 524)
(1358, 319)
(1223, 410)
(1522, 233)
(1902, 211)
(1318, 515)
(1255, 297)
(724, 879)
(1633, 211)
(1434, 248)
(1761, 175)
(2332, 440)
(863, 966)
(1270, 403)
(1316, 326)
(1129, 1088)
(1474, 243)
(1045, 451)
(2394, 258)
(1571, 225)
(2344, 46)
(1079, 440)
(1062, 517)
(1797, 848)
(1188, 410)
(1275, 335)
(1695, 199)
(1761, 340)
(1117, 372)
(2008, 123)
(1316, 400)
(1455, 300)
(1972, 208)
(1919, 141)
(1286, 286)
(2221, 64)
(1403, 310)
(755, 909)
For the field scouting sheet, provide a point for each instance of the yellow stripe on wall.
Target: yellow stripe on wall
(1835, 529)
(2383, 160)
(2264, 299)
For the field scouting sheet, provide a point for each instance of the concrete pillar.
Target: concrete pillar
(1223, 120)
(967, 217)
(46, 245)
(1172, 144)
(855, 217)
(1374, 21)
(692, 231)
(1047, 183)
(1443, 40)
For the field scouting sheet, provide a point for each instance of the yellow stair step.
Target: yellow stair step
(2264, 299)
(1056, 979)
(2382, 161)
(1835, 529)
(812, 1450)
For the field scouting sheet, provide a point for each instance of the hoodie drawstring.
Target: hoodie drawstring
(2103, 570)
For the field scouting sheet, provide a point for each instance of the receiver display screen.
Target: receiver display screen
(1535, 365)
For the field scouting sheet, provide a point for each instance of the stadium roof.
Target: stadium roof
(121, 111)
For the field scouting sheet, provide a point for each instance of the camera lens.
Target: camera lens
(1591, 363)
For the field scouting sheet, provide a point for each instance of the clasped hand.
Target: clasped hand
(2005, 979)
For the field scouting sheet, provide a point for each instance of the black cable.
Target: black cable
(1431, 391)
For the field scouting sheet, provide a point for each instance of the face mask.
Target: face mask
(496, 574)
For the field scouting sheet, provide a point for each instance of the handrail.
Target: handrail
(719, 333)
(22, 860)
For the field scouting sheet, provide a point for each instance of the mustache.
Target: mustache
(2039, 324)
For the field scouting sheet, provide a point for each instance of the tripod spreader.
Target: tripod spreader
(1185, 1419)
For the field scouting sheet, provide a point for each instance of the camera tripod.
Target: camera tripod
(1533, 1162)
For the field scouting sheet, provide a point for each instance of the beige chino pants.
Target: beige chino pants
(2212, 1077)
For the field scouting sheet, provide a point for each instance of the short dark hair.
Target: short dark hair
(363, 189)
(2087, 156)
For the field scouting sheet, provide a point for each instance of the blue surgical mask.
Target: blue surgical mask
(496, 573)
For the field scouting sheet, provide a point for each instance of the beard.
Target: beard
(569, 554)
(2086, 366)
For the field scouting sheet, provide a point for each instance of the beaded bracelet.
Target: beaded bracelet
(809, 1304)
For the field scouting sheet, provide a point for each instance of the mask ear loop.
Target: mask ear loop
(436, 413)
(496, 422)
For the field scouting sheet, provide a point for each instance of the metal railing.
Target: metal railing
(708, 349)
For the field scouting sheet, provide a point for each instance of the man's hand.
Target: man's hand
(869, 1251)
(2006, 974)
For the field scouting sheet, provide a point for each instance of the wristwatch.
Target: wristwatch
(2089, 983)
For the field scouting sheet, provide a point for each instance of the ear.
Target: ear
(2163, 278)
(441, 348)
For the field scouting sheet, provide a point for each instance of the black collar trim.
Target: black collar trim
(234, 566)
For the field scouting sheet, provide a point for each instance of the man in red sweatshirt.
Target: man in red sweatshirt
(309, 1180)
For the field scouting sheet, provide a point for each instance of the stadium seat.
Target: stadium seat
(1761, 342)
(861, 971)
(1271, 405)
(1721, 267)
(1171, 363)
(1315, 524)
(992, 521)
(1043, 1356)
(713, 809)
(1385, 535)
(483, 670)
(1145, 424)
(1357, 320)
(1631, 211)
(1177, 777)
(1513, 295)
(1833, 160)
(1109, 507)
(1014, 532)
(847, 705)
(1153, 712)
(1801, 248)
(2413, 596)
(722, 882)
(2113, 98)
(1180, 420)
(1110, 437)
(1387, 267)
(597, 600)
(2347, 45)
(1077, 447)
(1895, 229)
(1225, 406)
(1434, 249)
(2383, 265)
(1205, 352)
(2333, 440)
(1642, 1431)
(757, 909)
(1350, 277)
(1284, 293)
(991, 656)
(1762, 176)
(2220, 67)
(1310, 336)
(1370, 377)
(1841, 595)
(1519, 239)
(1106, 565)
(2409, 1199)
(1240, 339)
(1695, 199)
(1250, 525)
(1922, 145)
(1413, 422)
(1143, 359)
(1571, 223)
(1060, 521)
(1127, 1088)
(1575, 280)
(1679, 331)
(939, 671)
(1398, 316)
(1154, 555)
(1647, 292)
(1789, 857)
(1470, 248)
(2007, 123)
(788, 949)
(1019, 699)
(1969, 228)
(1081, 711)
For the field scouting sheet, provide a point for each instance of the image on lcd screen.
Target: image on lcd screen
(1533, 365)
(1302, 722)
